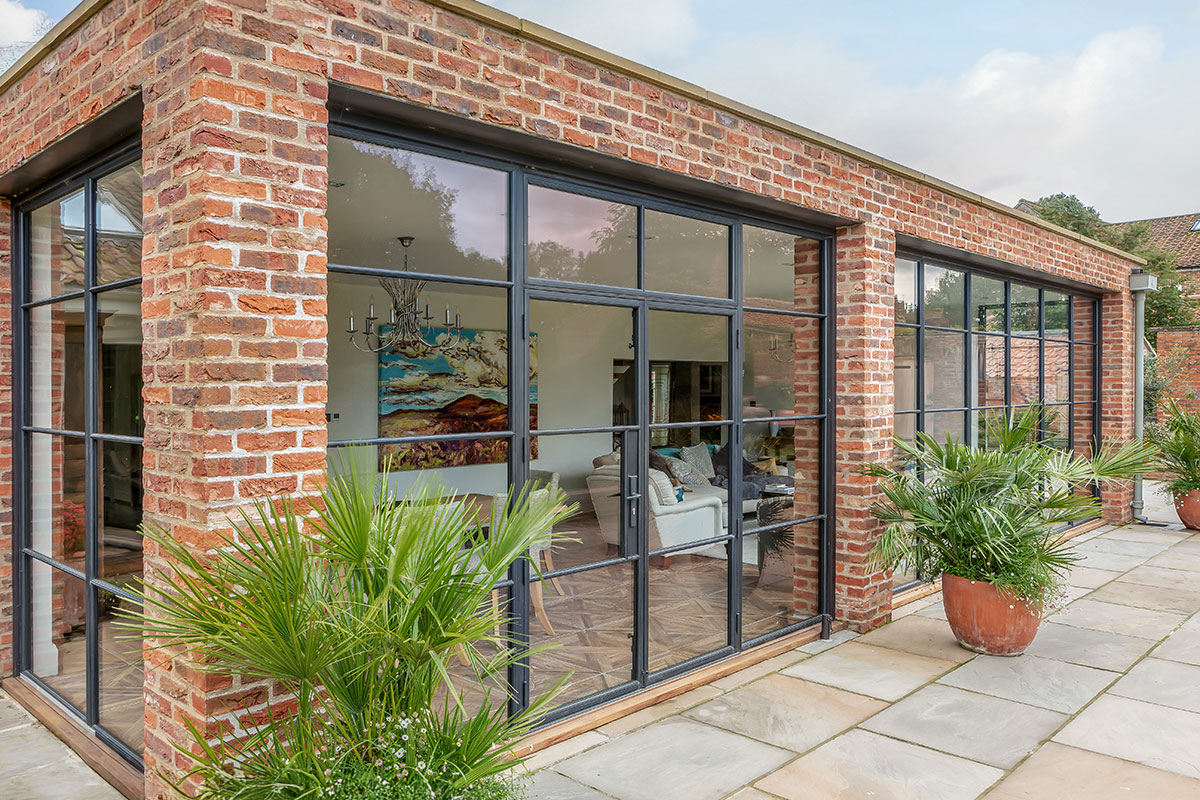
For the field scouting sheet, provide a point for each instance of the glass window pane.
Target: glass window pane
(1024, 300)
(120, 516)
(689, 368)
(780, 270)
(779, 572)
(906, 290)
(782, 458)
(1056, 381)
(945, 423)
(987, 304)
(906, 369)
(584, 365)
(578, 238)
(57, 377)
(119, 233)
(984, 423)
(905, 426)
(945, 369)
(58, 613)
(1058, 312)
(455, 212)
(686, 256)
(945, 305)
(1084, 377)
(119, 320)
(56, 242)
(1056, 426)
(433, 377)
(1083, 427)
(588, 617)
(781, 373)
(1026, 371)
(990, 371)
(122, 707)
(57, 515)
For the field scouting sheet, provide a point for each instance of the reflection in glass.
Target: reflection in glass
(57, 515)
(688, 606)
(121, 512)
(906, 369)
(585, 368)
(120, 338)
(689, 366)
(122, 709)
(1026, 371)
(58, 613)
(578, 238)
(1056, 426)
(945, 369)
(56, 248)
(57, 376)
(1024, 301)
(781, 460)
(781, 365)
(987, 304)
(1084, 375)
(119, 230)
(587, 468)
(686, 256)
(906, 290)
(456, 212)
(781, 270)
(905, 425)
(1056, 381)
(1083, 428)
(1082, 321)
(779, 588)
(1058, 315)
(945, 423)
(944, 297)
(984, 423)
(990, 370)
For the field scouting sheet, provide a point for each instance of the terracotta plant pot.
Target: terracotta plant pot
(1187, 506)
(985, 621)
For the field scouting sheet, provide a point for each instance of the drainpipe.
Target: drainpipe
(1139, 283)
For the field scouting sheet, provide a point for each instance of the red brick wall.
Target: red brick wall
(234, 253)
(1180, 347)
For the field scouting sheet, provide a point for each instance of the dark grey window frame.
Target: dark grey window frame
(84, 176)
(524, 170)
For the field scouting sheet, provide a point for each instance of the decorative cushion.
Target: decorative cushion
(686, 473)
(605, 460)
(700, 458)
(659, 463)
(660, 484)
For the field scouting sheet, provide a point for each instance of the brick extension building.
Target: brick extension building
(632, 235)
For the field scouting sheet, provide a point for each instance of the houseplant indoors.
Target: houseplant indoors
(362, 619)
(988, 522)
(1178, 440)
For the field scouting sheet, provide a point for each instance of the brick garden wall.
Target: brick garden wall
(1181, 348)
(234, 158)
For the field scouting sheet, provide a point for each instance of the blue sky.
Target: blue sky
(1009, 99)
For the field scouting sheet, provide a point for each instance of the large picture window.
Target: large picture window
(492, 324)
(79, 454)
(971, 346)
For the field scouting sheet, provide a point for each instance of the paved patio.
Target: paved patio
(1105, 704)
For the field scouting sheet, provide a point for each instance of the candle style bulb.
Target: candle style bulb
(352, 322)
(447, 313)
(371, 308)
(393, 315)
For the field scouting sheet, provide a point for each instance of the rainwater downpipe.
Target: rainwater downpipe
(1139, 283)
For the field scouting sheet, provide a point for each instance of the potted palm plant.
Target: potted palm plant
(988, 520)
(1178, 441)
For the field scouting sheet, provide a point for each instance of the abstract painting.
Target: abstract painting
(455, 390)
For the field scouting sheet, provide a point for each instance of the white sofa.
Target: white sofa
(694, 519)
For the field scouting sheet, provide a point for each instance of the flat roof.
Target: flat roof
(567, 44)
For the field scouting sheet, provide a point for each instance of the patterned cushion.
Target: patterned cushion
(660, 484)
(685, 473)
(700, 458)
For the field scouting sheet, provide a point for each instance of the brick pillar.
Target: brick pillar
(6, 443)
(234, 326)
(1116, 393)
(865, 272)
(1179, 361)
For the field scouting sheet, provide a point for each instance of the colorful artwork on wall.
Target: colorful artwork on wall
(463, 389)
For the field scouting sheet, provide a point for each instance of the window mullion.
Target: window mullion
(91, 465)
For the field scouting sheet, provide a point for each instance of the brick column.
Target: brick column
(865, 272)
(234, 326)
(1116, 393)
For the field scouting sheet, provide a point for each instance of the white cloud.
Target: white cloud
(642, 30)
(1114, 122)
(19, 24)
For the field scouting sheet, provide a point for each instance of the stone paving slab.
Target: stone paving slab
(1182, 645)
(874, 671)
(1113, 618)
(1149, 734)
(986, 729)
(1058, 772)
(921, 636)
(1043, 682)
(1123, 592)
(35, 765)
(1167, 683)
(1088, 647)
(860, 764)
(1090, 577)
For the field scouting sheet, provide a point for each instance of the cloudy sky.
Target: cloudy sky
(1012, 98)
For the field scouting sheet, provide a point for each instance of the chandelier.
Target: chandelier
(409, 328)
(781, 354)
